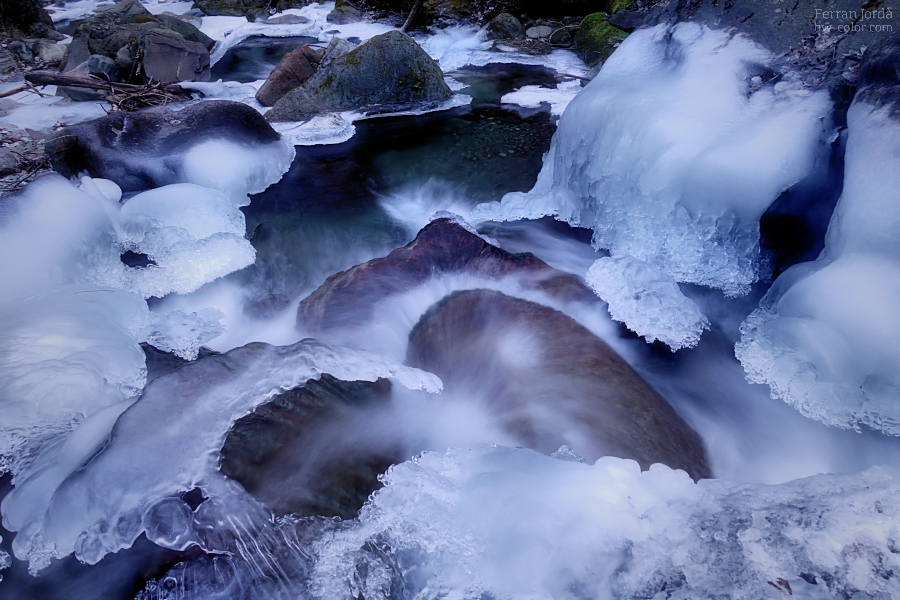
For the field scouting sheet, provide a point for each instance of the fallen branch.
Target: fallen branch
(94, 83)
(413, 13)
(15, 90)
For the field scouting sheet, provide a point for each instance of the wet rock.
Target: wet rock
(313, 450)
(257, 15)
(287, 20)
(538, 32)
(49, 52)
(549, 381)
(336, 47)
(21, 50)
(597, 39)
(505, 26)
(168, 59)
(879, 75)
(295, 68)
(388, 69)
(9, 164)
(442, 247)
(142, 150)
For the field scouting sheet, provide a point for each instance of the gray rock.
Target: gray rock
(505, 26)
(78, 94)
(388, 69)
(103, 67)
(257, 15)
(336, 47)
(8, 68)
(879, 75)
(125, 7)
(560, 385)
(540, 32)
(287, 20)
(526, 46)
(21, 50)
(9, 163)
(169, 59)
(49, 52)
(344, 14)
(142, 150)
(295, 68)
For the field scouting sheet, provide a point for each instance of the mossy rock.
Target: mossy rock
(618, 5)
(597, 38)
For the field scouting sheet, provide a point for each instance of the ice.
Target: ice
(168, 443)
(825, 336)
(533, 96)
(5, 561)
(184, 333)
(511, 523)
(236, 169)
(648, 301)
(671, 155)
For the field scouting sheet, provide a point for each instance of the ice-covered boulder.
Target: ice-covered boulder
(550, 382)
(223, 145)
(442, 247)
(674, 151)
(825, 335)
(388, 69)
(294, 69)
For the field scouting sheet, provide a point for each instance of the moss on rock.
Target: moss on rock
(597, 38)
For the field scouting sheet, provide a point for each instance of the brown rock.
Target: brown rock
(549, 381)
(169, 59)
(295, 68)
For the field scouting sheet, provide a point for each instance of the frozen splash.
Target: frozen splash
(825, 336)
(648, 301)
(511, 523)
(673, 152)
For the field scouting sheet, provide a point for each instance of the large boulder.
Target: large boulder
(294, 69)
(550, 382)
(442, 247)
(597, 39)
(141, 150)
(144, 46)
(388, 69)
(505, 26)
(314, 450)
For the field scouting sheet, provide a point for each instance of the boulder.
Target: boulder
(103, 67)
(311, 450)
(295, 68)
(336, 47)
(388, 69)
(344, 14)
(879, 75)
(50, 52)
(21, 50)
(142, 150)
(505, 26)
(525, 46)
(442, 247)
(597, 39)
(549, 382)
(143, 46)
(539, 32)
(8, 68)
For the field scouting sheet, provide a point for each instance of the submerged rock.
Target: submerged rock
(295, 68)
(146, 149)
(550, 382)
(313, 450)
(442, 247)
(388, 69)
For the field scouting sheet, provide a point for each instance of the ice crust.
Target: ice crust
(825, 335)
(648, 301)
(168, 443)
(511, 523)
(671, 154)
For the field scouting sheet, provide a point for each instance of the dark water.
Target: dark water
(254, 58)
(490, 82)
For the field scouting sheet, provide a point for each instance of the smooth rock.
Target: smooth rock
(525, 46)
(540, 32)
(287, 20)
(549, 381)
(505, 26)
(142, 150)
(295, 68)
(336, 47)
(313, 450)
(442, 247)
(168, 59)
(49, 52)
(388, 69)
(345, 14)
(103, 67)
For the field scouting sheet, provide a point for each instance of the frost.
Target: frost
(825, 336)
(168, 443)
(671, 157)
(512, 523)
(648, 301)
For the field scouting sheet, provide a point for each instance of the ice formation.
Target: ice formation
(512, 523)
(673, 152)
(825, 335)
(648, 301)
(183, 333)
(168, 443)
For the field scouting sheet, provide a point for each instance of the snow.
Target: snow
(511, 523)
(671, 157)
(825, 336)
(648, 301)
(533, 96)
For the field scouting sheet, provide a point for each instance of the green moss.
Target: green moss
(618, 5)
(597, 38)
(144, 19)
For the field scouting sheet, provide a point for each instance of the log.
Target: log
(413, 13)
(53, 78)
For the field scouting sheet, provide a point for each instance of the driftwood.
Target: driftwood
(413, 13)
(94, 83)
